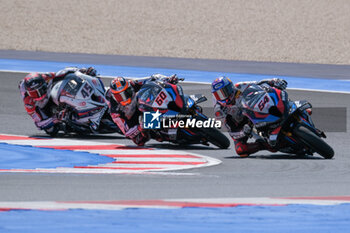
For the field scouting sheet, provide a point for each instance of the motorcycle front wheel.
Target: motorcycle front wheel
(215, 137)
(314, 142)
(53, 131)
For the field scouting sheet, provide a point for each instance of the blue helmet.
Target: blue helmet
(223, 89)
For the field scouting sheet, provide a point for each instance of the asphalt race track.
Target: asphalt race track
(264, 174)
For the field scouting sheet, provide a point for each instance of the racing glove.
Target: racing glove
(89, 71)
(65, 71)
(245, 132)
(279, 83)
(275, 82)
(173, 79)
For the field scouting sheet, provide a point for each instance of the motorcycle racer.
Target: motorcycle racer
(123, 105)
(35, 91)
(228, 108)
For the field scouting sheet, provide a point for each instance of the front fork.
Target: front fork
(304, 119)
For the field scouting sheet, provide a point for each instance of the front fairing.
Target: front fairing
(81, 91)
(298, 115)
(83, 96)
(161, 96)
(189, 102)
(150, 96)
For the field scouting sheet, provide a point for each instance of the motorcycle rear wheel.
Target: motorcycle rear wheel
(314, 142)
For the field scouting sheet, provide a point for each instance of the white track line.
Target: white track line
(53, 142)
(130, 160)
(165, 159)
(132, 152)
(262, 201)
(160, 166)
(167, 203)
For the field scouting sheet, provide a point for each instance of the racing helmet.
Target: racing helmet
(35, 86)
(122, 90)
(223, 89)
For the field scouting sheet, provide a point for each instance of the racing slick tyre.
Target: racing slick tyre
(314, 142)
(53, 131)
(215, 137)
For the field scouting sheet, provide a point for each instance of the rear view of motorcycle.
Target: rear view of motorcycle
(176, 117)
(286, 125)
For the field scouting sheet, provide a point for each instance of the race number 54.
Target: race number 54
(262, 103)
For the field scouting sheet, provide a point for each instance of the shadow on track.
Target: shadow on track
(171, 146)
(278, 157)
(76, 136)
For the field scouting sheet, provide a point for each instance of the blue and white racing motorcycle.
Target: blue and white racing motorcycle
(269, 109)
(168, 99)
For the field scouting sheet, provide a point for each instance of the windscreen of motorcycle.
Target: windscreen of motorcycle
(68, 87)
(72, 87)
(257, 99)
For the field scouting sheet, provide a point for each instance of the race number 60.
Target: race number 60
(160, 99)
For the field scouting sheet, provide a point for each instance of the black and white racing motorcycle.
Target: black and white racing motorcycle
(79, 103)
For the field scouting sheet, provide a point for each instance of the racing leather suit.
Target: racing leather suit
(231, 115)
(39, 110)
(128, 117)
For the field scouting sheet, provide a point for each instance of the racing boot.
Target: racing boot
(244, 149)
(157, 136)
(265, 146)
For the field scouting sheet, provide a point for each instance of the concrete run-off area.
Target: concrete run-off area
(314, 31)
